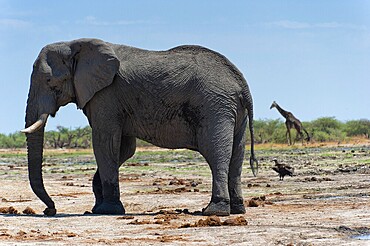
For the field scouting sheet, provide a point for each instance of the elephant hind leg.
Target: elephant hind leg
(128, 148)
(217, 151)
(235, 171)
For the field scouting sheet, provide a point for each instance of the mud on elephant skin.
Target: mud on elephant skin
(186, 97)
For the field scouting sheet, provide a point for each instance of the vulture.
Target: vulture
(282, 169)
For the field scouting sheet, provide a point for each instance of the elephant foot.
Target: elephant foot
(98, 202)
(237, 209)
(50, 211)
(237, 205)
(113, 208)
(221, 208)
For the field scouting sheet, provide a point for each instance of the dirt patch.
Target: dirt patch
(8, 210)
(327, 202)
(29, 210)
(37, 236)
(168, 238)
(12, 210)
(216, 221)
(126, 217)
(161, 190)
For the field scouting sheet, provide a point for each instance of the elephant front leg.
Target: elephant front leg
(97, 189)
(99, 197)
(108, 201)
(106, 191)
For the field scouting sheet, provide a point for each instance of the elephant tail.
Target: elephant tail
(253, 162)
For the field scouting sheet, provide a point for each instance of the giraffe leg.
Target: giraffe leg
(288, 125)
(295, 138)
(301, 137)
(299, 133)
(289, 137)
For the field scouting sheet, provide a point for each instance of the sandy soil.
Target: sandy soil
(327, 202)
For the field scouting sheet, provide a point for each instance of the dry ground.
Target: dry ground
(327, 202)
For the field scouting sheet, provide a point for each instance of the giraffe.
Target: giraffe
(291, 122)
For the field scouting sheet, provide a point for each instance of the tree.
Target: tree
(67, 138)
(266, 131)
(13, 140)
(357, 128)
(82, 137)
(327, 129)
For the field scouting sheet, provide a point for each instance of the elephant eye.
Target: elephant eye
(56, 90)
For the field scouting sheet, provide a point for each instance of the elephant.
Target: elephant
(186, 97)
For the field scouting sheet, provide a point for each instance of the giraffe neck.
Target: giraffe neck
(282, 111)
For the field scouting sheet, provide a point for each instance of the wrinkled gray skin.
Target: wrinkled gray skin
(186, 97)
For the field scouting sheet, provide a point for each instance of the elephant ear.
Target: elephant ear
(94, 65)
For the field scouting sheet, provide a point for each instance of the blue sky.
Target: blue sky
(312, 57)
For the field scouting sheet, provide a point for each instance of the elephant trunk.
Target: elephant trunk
(35, 142)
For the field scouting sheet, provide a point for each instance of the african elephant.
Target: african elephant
(186, 97)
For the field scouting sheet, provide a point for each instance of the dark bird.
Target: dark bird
(282, 169)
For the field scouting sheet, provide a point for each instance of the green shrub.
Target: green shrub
(279, 134)
(265, 131)
(357, 128)
(327, 129)
(326, 124)
(13, 140)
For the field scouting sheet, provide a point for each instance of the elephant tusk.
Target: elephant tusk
(37, 125)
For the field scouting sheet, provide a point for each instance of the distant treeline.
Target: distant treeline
(326, 129)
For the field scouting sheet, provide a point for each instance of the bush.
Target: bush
(67, 138)
(357, 128)
(327, 129)
(326, 124)
(279, 135)
(13, 140)
(265, 131)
